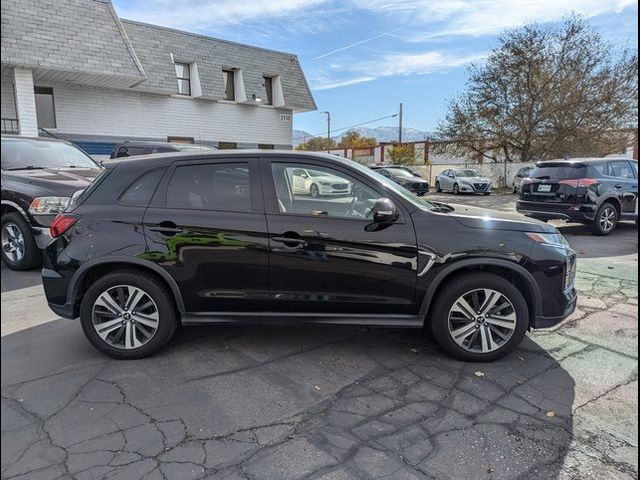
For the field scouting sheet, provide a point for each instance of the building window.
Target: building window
(227, 145)
(184, 78)
(45, 108)
(228, 79)
(265, 146)
(268, 86)
(180, 139)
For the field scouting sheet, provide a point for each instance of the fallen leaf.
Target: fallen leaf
(551, 413)
(479, 374)
(491, 470)
(316, 387)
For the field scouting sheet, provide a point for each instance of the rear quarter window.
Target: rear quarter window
(139, 193)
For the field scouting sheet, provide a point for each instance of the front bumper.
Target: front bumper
(475, 188)
(42, 236)
(570, 307)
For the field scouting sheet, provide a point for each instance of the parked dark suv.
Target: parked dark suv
(595, 191)
(223, 237)
(39, 177)
(133, 148)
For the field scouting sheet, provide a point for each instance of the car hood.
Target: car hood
(474, 179)
(330, 179)
(474, 217)
(60, 182)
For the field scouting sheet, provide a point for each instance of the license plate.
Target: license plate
(544, 188)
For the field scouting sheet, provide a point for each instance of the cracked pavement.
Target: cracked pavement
(253, 402)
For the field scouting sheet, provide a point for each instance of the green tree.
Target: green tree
(317, 144)
(353, 139)
(546, 92)
(404, 154)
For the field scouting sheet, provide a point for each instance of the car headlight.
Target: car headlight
(555, 239)
(326, 184)
(48, 205)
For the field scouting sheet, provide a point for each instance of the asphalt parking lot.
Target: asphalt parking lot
(254, 402)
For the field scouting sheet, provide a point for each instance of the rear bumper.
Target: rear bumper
(542, 211)
(42, 236)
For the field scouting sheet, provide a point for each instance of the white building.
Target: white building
(74, 69)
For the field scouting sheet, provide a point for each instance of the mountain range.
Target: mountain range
(381, 134)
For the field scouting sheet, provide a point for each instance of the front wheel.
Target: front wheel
(605, 220)
(128, 315)
(456, 189)
(438, 189)
(480, 317)
(19, 249)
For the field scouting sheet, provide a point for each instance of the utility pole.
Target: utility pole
(400, 125)
(328, 129)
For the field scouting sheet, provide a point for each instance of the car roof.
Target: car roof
(161, 159)
(142, 143)
(35, 139)
(583, 161)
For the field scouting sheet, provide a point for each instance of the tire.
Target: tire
(456, 189)
(314, 191)
(442, 324)
(605, 220)
(438, 189)
(120, 284)
(18, 239)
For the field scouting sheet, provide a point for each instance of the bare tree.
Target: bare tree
(546, 92)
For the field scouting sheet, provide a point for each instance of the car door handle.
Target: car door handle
(617, 185)
(167, 228)
(291, 241)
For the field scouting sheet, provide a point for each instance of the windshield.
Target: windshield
(419, 202)
(315, 173)
(25, 154)
(467, 173)
(399, 172)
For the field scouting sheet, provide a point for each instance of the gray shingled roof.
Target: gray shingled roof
(154, 46)
(67, 35)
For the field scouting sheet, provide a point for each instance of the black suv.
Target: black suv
(224, 237)
(405, 177)
(595, 191)
(39, 177)
(132, 148)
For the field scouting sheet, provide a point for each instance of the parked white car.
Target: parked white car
(317, 184)
(463, 180)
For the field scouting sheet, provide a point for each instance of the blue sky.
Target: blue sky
(363, 57)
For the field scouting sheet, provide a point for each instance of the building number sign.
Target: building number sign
(285, 117)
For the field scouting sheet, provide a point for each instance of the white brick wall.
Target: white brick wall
(8, 105)
(84, 110)
(25, 102)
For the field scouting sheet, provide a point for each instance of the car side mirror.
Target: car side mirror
(384, 211)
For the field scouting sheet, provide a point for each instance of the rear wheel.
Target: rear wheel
(438, 189)
(605, 220)
(128, 315)
(19, 249)
(456, 189)
(314, 191)
(480, 317)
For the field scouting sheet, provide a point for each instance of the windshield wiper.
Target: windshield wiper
(27, 167)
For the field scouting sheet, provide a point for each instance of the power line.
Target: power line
(356, 125)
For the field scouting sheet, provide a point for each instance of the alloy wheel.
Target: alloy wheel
(314, 191)
(607, 219)
(482, 320)
(125, 317)
(12, 242)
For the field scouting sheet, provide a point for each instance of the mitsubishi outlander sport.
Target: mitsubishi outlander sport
(224, 237)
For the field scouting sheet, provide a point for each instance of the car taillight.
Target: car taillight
(579, 182)
(61, 224)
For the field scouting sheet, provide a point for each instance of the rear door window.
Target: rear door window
(214, 186)
(560, 172)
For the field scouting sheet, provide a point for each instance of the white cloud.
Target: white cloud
(484, 17)
(329, 85)
(415, 64)
(202, 14)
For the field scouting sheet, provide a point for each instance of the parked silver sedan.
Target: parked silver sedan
(464, 180)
